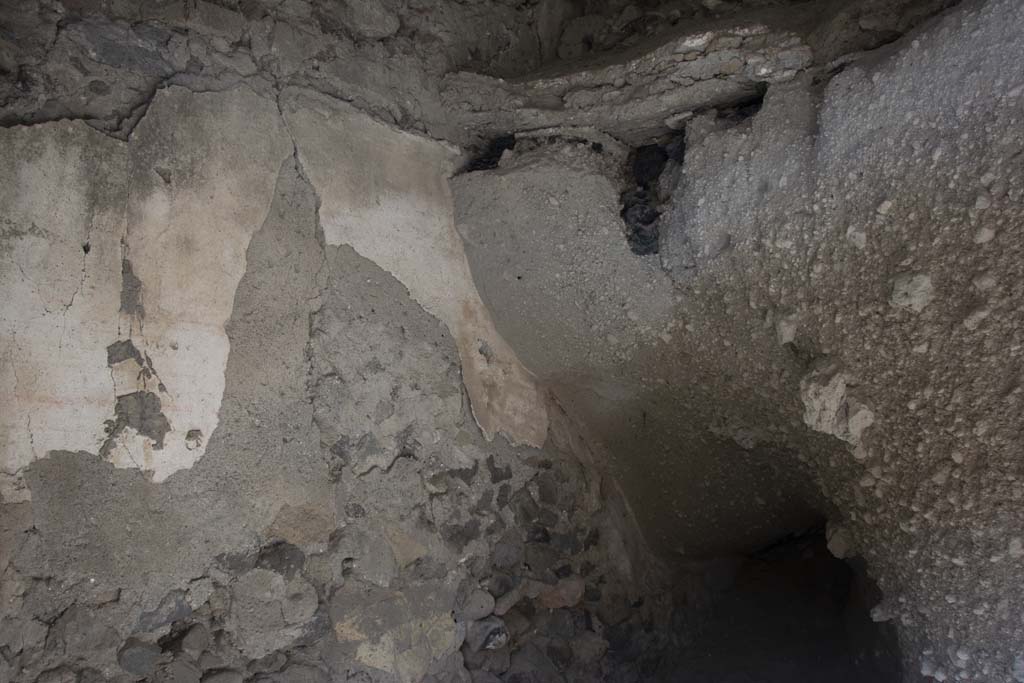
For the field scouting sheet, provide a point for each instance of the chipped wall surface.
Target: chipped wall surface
(244, 449)
(391, 203)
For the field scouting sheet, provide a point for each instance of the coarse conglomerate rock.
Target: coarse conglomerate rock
(845, 275)
(298, 384)
(868, 213)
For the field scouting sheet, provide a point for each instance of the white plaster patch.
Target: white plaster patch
(203, 171)
(385, 193)
(61, 195)
(202, 174)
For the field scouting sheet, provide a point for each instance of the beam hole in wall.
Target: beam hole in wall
(642, 200)
(489, 157)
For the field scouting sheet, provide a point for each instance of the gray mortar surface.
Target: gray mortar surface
(831, 330)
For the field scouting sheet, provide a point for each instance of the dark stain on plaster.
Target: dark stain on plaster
(143, 412)
(123, 350)
(131, 291)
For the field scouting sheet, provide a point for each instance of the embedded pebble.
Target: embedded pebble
(912, 292)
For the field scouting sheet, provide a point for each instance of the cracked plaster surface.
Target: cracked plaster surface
(167, 217)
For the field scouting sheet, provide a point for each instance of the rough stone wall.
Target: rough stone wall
(235, 447)
(872, 228)
(843, 310)
(261, 418)
(608, 329)
(453, 70)
(102, 62)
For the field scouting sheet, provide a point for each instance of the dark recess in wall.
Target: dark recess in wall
(491, 154)
(745, 109)
(640, 204)
(788, 611)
